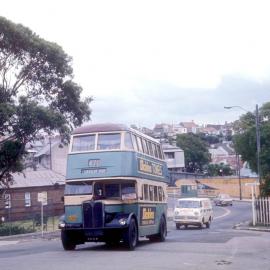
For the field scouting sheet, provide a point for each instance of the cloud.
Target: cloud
(155, 102)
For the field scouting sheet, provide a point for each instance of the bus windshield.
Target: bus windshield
(81, 188)
(115, 191)
(189, 204)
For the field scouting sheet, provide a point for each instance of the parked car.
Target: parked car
(223, 199)
(193, 211)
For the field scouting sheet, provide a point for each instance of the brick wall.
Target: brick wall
(230, 186)
(19, 211)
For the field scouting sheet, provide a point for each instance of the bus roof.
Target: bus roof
(108, 127)
(100, 128)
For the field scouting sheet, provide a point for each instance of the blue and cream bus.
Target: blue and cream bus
(115, 187)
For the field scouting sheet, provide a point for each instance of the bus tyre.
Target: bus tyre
(162, 230)
(66, 241)
(208, 223)
(131, 235)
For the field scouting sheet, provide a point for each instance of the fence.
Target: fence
(262, 206)
(17, 218)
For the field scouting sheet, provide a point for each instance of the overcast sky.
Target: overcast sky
(148, 62)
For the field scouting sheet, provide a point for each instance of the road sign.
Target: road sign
(42, 197)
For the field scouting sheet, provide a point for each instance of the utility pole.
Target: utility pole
(258, 142)
(50, 142)
(239, 176)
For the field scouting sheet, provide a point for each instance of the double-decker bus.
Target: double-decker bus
(115, 187)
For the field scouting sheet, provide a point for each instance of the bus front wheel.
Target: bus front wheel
(161, 236)
(130, 236)
(67, 243)
(162, 230)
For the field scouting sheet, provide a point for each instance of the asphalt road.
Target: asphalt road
(219, 247)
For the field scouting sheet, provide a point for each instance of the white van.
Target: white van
(193, 211)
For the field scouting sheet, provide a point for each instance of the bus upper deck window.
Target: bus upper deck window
(83, 143)
(109, 141)
(128, 141)
(134, 142)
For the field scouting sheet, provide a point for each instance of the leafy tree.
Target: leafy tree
(37, 94)
(245, 143)
(210, 139)
(219, 170)
(196, 152)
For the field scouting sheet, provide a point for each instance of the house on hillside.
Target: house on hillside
(161, 130)
(48, 154)
(22, 199)
(191, 127)
(223, 153)
(174, 157)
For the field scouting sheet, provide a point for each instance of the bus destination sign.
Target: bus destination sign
(146, 166)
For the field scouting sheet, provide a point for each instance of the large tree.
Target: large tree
(196, 152)
(37, 94)
(245, 143)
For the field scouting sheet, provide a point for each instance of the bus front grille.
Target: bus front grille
(93, 214)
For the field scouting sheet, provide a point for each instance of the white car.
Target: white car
(223, 199)
(193, 211)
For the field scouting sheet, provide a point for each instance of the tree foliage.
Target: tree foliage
(37, 94)
(196, 152)
(219, 170)
(245, 143)
(210, 139)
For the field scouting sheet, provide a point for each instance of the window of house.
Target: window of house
(109, 141)
(7, 200)
(83, 143)
(169, 155)
(27, 199)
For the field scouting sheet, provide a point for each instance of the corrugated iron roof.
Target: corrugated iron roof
(40, 178)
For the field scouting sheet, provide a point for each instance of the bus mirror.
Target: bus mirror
(62, 199)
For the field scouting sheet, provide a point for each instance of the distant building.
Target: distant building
(21, 199)
(48, 154)
(223, 153)
(162, 130)
(191, 127)
(174, 157)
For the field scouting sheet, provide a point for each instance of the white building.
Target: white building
(174, 157)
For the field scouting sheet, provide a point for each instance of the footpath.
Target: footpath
(248, 226)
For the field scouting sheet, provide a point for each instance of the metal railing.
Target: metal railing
(17, 218)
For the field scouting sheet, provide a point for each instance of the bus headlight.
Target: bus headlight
(122, 221)
(61, 225)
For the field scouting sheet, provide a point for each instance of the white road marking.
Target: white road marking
(5, 243)
(227, 212)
